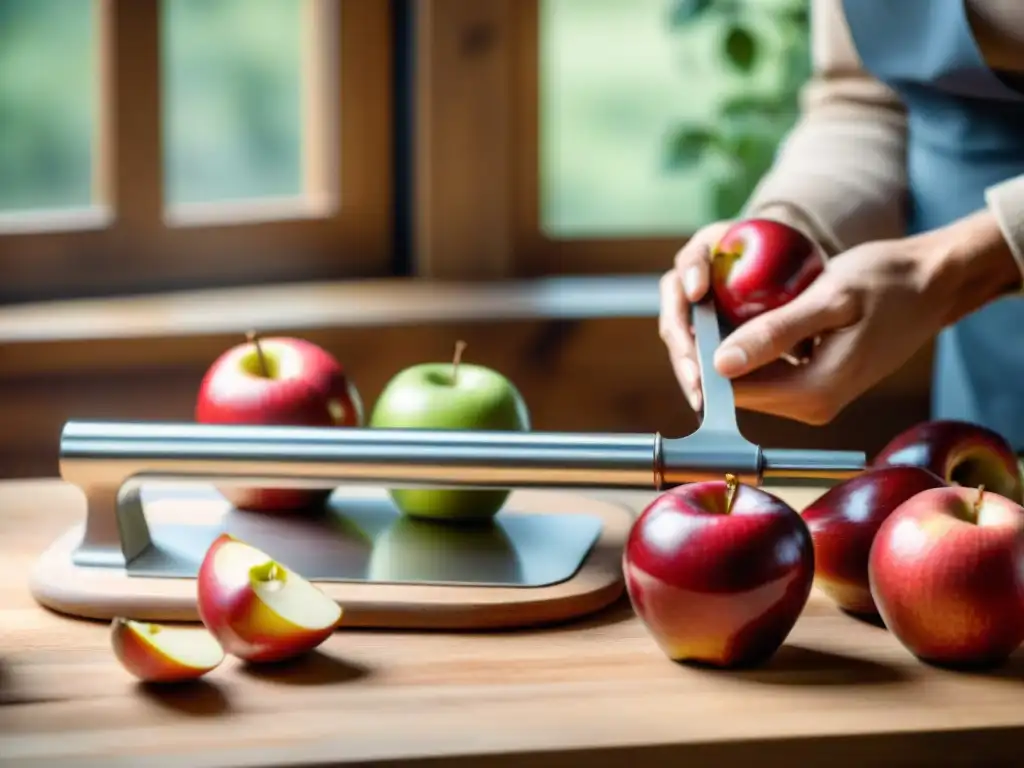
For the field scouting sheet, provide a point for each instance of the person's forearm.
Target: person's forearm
(968, 264)
(1005, 203)
(840, 175)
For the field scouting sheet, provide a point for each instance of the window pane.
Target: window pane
(47, 93)
(232, 106)
(658, 116)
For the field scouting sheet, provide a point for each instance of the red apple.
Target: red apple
(947, 574)
(719, 572)
(959, 452)
(760, 264)
(159, 654)
(258, 609)
(278, 381)
(843, 523)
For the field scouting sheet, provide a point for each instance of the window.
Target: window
(151, 144)
(190, 143)
(653, 118)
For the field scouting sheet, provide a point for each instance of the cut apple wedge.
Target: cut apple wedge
(159, 654)
(258, 609)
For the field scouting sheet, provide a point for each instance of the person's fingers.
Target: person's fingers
(688, 376)
(812, 394)
(767, 337)
(687, 282)
(692, 262)
(674, 327)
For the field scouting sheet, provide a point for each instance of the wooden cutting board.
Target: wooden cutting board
(102, 593)
(595, 692)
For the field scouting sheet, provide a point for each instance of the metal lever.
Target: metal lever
(722, 445)
(108, 461)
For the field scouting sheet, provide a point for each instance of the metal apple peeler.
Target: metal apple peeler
(109, 461)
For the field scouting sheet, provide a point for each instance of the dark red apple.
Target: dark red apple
(947, 574)
(843, 523)
(760, 264)
(719, 572)
(959, 452)
(278, 381)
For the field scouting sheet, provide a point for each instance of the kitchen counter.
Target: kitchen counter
(593, 693)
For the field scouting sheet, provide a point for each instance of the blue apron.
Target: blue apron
(965, 133)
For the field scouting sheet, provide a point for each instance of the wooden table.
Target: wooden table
(595, 694)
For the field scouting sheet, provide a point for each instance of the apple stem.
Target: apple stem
(255, 341)
(978, 500)
(731, 485)
(460, 347)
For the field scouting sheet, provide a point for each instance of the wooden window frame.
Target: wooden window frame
(340, 227)
(478, 154)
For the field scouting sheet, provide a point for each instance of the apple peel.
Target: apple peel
(257, 608)
(160, 654)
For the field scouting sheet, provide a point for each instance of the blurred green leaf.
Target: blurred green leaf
(683, 12)
(741, 48)
(688, 145)
(798, 64)
(757, 153)
(798, 16)
(730, 195)
(752, 106)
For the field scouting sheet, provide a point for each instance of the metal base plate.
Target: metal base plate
(361, 537)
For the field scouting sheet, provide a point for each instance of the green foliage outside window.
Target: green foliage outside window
(742, 134)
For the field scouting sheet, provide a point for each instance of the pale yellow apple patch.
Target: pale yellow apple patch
(699, 648)
(336, 410)
(286, 595)
(297, 601)
(937, 526)
(281, 361)
(194, 648)
(844, 593)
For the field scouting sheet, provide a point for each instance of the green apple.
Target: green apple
(453, 395)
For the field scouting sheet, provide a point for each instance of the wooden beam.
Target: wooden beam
(462, 140)
(130, 115)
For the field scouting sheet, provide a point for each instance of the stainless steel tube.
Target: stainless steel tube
(797, 464)
(301, 456)
(297, 456)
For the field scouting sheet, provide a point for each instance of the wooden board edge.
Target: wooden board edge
(100, 594)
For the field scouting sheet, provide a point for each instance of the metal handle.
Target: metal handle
(109, 460)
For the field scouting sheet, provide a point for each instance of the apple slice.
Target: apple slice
(159, 654)
(258, 609)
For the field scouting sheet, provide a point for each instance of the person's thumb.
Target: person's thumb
(767, 337)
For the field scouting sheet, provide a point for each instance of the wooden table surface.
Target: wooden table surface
(596, 693)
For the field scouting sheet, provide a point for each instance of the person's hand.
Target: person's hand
(687, 282)
(873, 307)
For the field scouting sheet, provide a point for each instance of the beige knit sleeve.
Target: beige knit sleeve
(1006, 202)
(840, 174)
